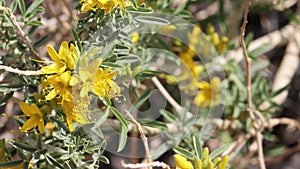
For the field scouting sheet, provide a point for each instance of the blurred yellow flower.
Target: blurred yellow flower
(87, 76)
(36, 117)
(209, 92)
(75, 111)
(65, 59)
(107, 5)
(134, 37)
(182, 163)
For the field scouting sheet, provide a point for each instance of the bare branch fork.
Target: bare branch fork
(252, 113)
(144, 138)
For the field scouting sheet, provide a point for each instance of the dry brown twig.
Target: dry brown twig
(20, 72)
(152, 164)
(252, 112)
(144, 139)
(22, 34)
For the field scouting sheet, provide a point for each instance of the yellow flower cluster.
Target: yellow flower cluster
(208, 91)
(220, 43)
(107, 5)
(69, 88)
(205, 163)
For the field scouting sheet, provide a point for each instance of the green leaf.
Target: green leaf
(180, 7)
(122, 138)
(277, 92)
(4, 100)
(11, 164)
(60, 124)
(33, 7)
(184, 153)
(39, 142)
(148, 74)
(139, 10)
(10, 87)
(13, 6)
(155, 124)
(219, 151)
(112, 65)
(131, 58)
(23, 146)
(106, 101)
(102, 119)
(197, 147)
(119, 116)
(22, 7)
(168, 116)
(140, 100)
(248, 39)
(52, 161)
(34, 23)
(77, 40)
(103, 159)
(152, 20)
(276, 151)
(41, 41)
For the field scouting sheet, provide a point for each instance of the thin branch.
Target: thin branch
(166, 94)
(20, 72)
(22, 34)
(152, 164)
(258, 129)
(143, 137)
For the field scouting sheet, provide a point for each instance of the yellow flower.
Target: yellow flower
(61, 89)
(107, 5)
(65, 59)
(75, 112)
(104, 86)
(36, 117)
(135, 37)
(182, 163)
(87, 76)
(208, 92)
(194, 38)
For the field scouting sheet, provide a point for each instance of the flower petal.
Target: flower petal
(52, 53)
(26, 108)
(29, 124)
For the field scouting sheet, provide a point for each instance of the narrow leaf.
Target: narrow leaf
(11, 164)
(23, 146)
(77, 40)
(152, 20)
(148, 74)
(9, 87)
(141, 100)
(41, 41)
(33, 7)
(168, 116)
(184, 153)
(119, 116)
(102, 118)
(155, 124)
(52, 161)
(22, 7)
(122, 138)
(219, 151)
(197, 147)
